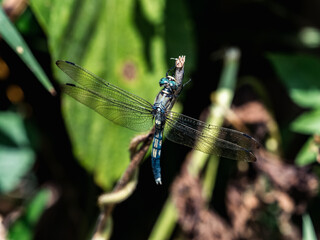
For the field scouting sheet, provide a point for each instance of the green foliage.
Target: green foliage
(300, 74)
(307, 228)
(23, 228)
(307, 153)
(16, 42)
(307, 123)
(121, 43)
(129, 43)
(16, 155)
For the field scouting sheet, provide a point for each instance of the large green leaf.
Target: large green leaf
(300, 74)
(16, 154)
(120, 41)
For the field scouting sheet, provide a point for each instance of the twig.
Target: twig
(178, 75)
(123, 188)
(136, 157)
(3, 230)
(196, 220)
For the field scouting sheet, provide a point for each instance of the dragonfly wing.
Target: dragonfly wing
(98, 85)
(210, 139)
(112, 102)
(124, 114)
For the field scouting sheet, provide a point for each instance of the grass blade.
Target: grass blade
(16, 42)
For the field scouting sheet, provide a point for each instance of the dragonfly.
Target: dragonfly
(133, 112)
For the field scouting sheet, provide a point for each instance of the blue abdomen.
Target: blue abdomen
(155, 155)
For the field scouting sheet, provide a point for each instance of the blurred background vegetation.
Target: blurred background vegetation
(57, 156)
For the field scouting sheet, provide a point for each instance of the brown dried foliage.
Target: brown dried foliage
(275, 182)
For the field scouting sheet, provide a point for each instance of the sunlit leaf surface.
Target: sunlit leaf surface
(121, 44)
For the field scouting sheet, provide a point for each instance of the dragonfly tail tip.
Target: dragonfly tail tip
(158, 181)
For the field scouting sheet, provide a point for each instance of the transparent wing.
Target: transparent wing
(209, 139)
(113, 103)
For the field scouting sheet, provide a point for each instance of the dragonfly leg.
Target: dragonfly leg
(167, 74)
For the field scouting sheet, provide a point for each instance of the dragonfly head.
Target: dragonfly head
(168, 81)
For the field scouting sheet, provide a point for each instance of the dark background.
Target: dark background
(255, 27)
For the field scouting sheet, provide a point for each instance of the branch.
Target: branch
(123, 188)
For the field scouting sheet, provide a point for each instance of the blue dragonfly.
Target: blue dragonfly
(133, 112)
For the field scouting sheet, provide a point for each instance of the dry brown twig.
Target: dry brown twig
(196, 220)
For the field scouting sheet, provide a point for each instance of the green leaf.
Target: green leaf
(16, 155)
(308, 232)
(20, 231)
(37, 206)
(14, 164)
(307, 123)
(12, 129)
(300, 74)
(16, 42)
(308, 153)
(120, 42)
(24, 227)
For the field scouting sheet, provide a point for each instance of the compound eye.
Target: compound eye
(163, 81)
(173, 85)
